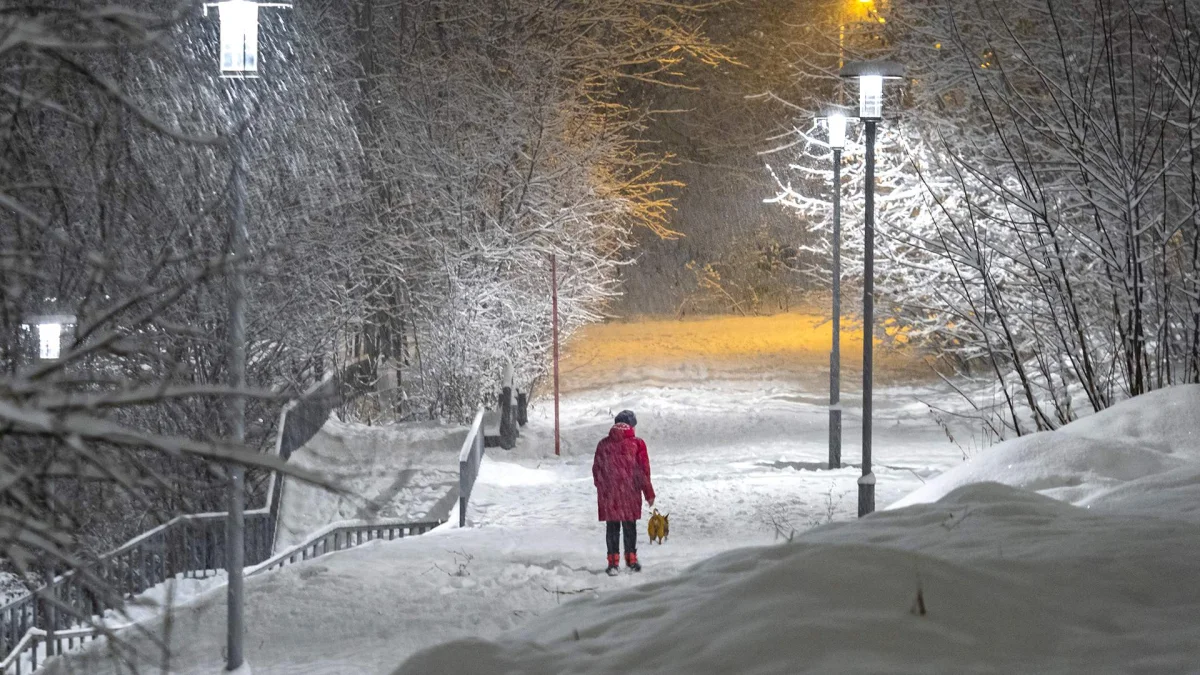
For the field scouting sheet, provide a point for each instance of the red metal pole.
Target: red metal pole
(554, 295)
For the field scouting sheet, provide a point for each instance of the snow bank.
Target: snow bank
(1010, 581)
(165, 596)
(732, 461)
(1143, 453)
(393, 471)
(1176, 493)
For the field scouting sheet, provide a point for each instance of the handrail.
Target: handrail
(170, 549)
(170, 524)
(131, 545)
(186, 545)
(29, 642)
(469, 440)
(469, 459)
(315, 546)
(296, 548)
(302, 418)
(23, 611)
(323, 536)
(16, 653)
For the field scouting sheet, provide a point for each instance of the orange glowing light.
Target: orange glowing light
(795, 344)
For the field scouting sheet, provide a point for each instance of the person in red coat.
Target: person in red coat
(621, 472)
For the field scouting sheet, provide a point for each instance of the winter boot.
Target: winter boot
(614, 564)
(632, 562)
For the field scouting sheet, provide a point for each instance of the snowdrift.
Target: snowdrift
(1142, 454)
(978, 574)
(989, 579)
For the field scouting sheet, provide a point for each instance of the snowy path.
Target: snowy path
(991, 578)
(1014, 582)
(729, 461)
(723, 456)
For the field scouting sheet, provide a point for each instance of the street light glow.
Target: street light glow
(49, 340)
(239, 35)
(48, 330)
(837, 130)
(239, 38)
(870, 96)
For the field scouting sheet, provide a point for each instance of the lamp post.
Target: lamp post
(870, 76)
(239, 61)
(48, 330)
(835, 119)
(554, 309)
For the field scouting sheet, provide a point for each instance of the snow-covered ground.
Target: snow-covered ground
(1009, 580)
(735, 463)
(1142, 454)
(987, 579)
(384, 472)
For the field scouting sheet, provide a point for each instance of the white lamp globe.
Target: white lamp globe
(837, 130)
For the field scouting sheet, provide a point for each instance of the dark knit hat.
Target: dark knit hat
(627, 417)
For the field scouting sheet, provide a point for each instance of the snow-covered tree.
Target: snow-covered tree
(112, 224)
(1052, 239)
(494, 137)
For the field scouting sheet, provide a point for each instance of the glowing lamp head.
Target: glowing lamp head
(49, 340)
(870, 96)
(837, 130)
(239, 38)
(239, 35)
(870, 76)
(48, 330)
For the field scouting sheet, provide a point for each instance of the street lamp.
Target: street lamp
(239, 60)
(239, 35)
(870, 76)
(836, 118)
(49, 329)
(554, 330)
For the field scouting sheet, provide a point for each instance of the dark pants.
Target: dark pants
(613, 535)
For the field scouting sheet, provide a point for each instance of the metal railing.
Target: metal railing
(301, 419)
(34, 637)
(190, 545)
(468, 465)
(194, 545)
(342, 537)
(339, 537)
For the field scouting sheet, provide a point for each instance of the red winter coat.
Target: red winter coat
(621, 472)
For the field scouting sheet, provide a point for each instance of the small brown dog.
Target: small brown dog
(658, 527)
